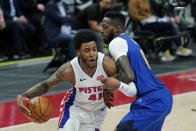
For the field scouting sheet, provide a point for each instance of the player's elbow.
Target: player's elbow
(129, 77)
(126, 77)
(44, 86)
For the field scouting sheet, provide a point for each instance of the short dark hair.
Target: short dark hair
(117, 17)
(83, 37)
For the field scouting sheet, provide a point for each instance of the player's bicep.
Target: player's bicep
(125, 73)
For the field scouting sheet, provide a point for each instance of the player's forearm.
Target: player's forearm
(125, 73)
(37, 90)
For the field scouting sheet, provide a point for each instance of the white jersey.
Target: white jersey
(83, 108)
(87, 92)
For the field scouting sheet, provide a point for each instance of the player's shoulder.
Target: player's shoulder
(66, 69)
(117, 39)
(117, 43)
(66, 65)
(108, 59)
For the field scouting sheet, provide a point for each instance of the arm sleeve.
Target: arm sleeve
(128, 89)
(117, 48)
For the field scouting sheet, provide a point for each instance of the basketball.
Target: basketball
(40, 108)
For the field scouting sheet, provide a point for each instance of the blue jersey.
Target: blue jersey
(144, 78)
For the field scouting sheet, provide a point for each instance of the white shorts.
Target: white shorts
(76, 119)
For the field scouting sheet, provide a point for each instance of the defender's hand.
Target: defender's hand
(20, 100)
(108, 97)
(110, 83)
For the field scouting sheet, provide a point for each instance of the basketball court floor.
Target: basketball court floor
(179, 76)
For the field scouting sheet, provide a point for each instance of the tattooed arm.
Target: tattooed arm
(43, 87)
(65, 72)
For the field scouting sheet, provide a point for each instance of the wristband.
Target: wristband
(128, 89)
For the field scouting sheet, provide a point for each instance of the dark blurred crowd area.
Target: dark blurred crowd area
(32, 28)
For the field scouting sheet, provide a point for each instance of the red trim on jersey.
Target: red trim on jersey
(66, 97)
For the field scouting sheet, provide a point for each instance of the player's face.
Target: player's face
(88, 54)
(108, 30)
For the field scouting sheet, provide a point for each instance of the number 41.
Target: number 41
(94, 97)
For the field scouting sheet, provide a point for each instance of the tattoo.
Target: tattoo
(45, 86)
(37, 90)
(60, 72)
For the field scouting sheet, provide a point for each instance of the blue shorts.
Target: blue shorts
(147, 113)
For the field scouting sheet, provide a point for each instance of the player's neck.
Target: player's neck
(89, 71)
(119, 33)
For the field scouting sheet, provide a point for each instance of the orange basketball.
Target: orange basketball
(40, 108)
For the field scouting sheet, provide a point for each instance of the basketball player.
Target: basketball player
(82, 108)
(154, 101)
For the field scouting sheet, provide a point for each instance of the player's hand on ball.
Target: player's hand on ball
(110, 83)
(20, 101)
(108, 97)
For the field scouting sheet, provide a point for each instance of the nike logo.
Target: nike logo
(140, 100)
(103, 109)
(83, 79)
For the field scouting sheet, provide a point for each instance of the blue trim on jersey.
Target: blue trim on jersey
(67, 106)
(144, 78)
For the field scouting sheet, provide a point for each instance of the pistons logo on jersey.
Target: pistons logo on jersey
(100, 77)
(95, 92)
